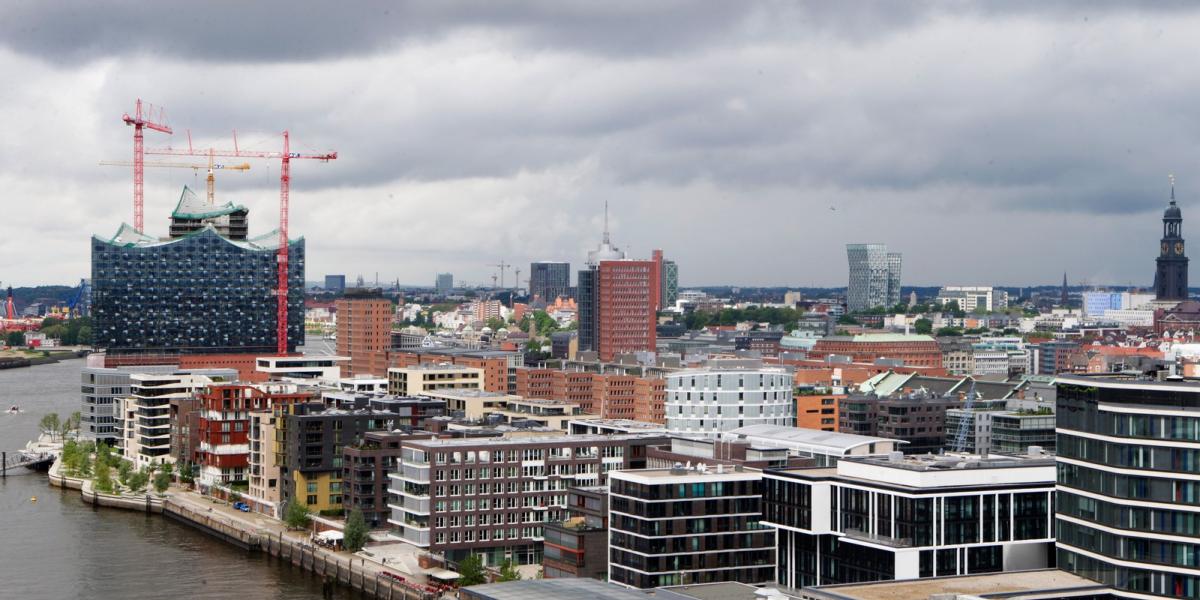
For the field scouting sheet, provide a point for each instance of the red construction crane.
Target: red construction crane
(285, 179)
(156, 120)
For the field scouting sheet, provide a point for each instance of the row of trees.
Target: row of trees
(731, 316)
(71, 332)
(58, 428)
(87, 459)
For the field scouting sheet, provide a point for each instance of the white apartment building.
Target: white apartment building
(145, 422)
(970, 298)
(729, 395)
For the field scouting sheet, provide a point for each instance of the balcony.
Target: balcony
(415, 537)
(414, 472)
(416, 505)
(882, 540)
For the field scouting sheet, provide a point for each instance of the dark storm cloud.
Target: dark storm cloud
(519, 119)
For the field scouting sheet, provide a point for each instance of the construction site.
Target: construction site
(206, 292)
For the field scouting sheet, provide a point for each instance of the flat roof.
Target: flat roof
(556, 439)
(1042, 583)
(659, 476)
(554, 589)
(621, 423)
(812, 438)
(724, 590)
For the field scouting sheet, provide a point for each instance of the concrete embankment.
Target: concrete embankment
(370, 579)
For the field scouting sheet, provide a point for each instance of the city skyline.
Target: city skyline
(999, 141)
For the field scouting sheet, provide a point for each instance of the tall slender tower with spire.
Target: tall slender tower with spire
(1171, 277)
(1066, 296)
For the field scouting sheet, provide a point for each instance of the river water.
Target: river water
(58, 547)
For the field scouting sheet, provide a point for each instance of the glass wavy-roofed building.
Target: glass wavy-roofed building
(206, 288)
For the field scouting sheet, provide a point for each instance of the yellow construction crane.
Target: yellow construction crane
(211, 166)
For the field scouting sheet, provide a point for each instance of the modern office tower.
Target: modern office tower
(549, 280)
(491, 497)
(445, 283)
(335, 283)
(205, 290)
(578, 546)
(683, 526)
(874, 276)
(618, 302)
(364, 331)
(1128, 493)
(1171, 276)
(727, 395)
(907, 517)
(670, 284)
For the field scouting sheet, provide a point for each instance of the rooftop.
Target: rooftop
(715, 472)
(558, 440)
(836, 443)
(622, 424)
(128, 237)
(192, 206)
(554, 589)
(1043, 583)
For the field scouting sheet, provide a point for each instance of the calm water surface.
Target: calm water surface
(59, 547)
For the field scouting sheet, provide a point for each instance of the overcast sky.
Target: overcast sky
(990, 144)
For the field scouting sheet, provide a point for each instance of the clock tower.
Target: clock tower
(1171, 278)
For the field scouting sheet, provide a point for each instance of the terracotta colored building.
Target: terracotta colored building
(223, 426)
(818, 411)
(495, 364)
(364, 332)
(649, 402)
(611, 396)
(626, 307)
(914, 350)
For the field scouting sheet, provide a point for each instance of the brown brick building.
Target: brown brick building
(914, 350)
(608, 395)
(364, 332)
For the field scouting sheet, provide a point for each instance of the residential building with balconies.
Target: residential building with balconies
(491, 497)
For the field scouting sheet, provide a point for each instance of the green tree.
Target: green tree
(923, 326)
(949, 331)
(124, 470)
(15, 338)
(138, 480)
(847, 320)
(296, 515)
(103, 455)
(496, 323)
(104, 481)
(470, 571)
(85, 336)
(49, 322)
(162, 481)
(356, 531)
(508, 572)
(50, 424)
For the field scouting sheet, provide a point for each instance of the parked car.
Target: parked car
(242, 506)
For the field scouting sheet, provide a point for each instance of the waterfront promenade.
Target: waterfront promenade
(255, 532)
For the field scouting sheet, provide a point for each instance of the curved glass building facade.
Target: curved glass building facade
(199, 293)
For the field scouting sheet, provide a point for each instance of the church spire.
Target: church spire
(1066, 297)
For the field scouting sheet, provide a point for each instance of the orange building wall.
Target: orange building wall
(650, 398)
(818, 412)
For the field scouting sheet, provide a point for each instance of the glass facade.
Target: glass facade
(197, 294)
(688, 531)
(1127, 490)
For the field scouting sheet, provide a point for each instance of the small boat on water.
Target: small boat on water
(14, 409)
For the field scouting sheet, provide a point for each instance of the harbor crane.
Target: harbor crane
(154, 119)
(285, 178)
(211, 166)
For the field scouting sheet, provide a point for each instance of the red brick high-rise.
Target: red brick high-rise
(364, 332)
(618, 301)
